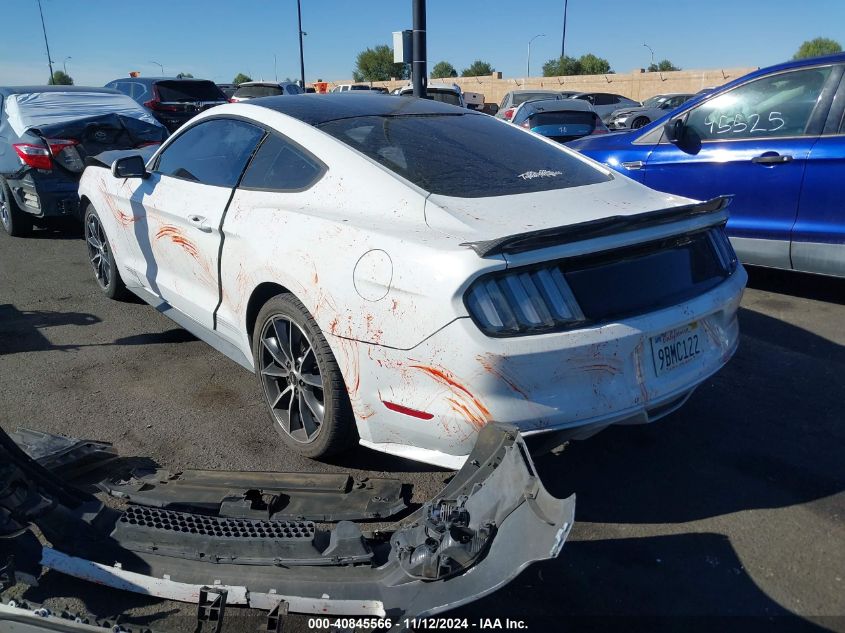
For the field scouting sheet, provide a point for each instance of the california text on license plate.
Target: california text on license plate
(677, 347)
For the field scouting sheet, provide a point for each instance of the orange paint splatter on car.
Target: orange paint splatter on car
(176, 236)
(490, 367)
(463, 401)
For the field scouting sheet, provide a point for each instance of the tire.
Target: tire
(314, 382)
(101, 257)
(15, 221)
(639, 122)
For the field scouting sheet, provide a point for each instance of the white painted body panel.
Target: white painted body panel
(379, 264)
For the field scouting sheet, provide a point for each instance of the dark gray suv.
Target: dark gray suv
(171, 100)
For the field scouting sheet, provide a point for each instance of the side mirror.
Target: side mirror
(492, 109)
(674, 130)
(129, 167)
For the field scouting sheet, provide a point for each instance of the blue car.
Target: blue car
(775, 139)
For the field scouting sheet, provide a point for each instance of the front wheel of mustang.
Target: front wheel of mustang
(300, 380)
(101, 256)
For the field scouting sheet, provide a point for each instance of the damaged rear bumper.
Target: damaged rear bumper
(493, 519)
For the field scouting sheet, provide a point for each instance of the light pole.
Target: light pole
(160, 66)
(528, 65)
(64, 63)
(44, 28)
(301, 33)
(563, 39)
(652, 53)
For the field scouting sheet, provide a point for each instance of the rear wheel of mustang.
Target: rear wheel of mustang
(101, 256)
(639, 122)
(301, 380)
(15, 222)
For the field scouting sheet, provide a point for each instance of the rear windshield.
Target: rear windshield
(569, 123)
(522, 97)
(445, 96)
(468, 156)
(258, 91)
(189, 91)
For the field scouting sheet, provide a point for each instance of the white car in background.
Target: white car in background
(386, 291)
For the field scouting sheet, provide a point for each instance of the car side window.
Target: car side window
(281, 165)
(771, 107)
(212, 152)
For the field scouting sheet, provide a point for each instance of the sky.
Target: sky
(216, 39)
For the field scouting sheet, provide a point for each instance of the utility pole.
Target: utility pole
(64, 63)
(419, 71)
(563, 39)
(301, 57)
(44, 28)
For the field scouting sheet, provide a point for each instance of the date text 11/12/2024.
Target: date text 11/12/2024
(419, 624)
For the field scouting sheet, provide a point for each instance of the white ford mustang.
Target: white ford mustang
(401, 272)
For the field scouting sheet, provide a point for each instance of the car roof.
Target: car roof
(155, 79)
(536, 90)
(558, 105)
(672, 94)
(333, 106)
(18, 90)
(267, 83)
(447, 87)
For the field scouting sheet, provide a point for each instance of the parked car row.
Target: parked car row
(361, 255)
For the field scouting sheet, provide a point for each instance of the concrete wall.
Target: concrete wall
(636, 85)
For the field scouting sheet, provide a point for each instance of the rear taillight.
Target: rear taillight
(508, 114)
(35, 156)
(521, 302)
(155, 104)
(147, 144)
(65, 152)
(233, 100)
(525, 124)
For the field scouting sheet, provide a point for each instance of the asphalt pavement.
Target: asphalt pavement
(727, 515)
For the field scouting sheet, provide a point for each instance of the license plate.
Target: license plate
(676, 348)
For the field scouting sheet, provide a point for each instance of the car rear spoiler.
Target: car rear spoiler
(559, 235)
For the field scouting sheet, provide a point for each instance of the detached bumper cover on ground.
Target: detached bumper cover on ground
(492, 520)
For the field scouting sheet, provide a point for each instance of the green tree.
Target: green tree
(185, 76)
(587, 64)
(241, 78)
(561, 67)
(663, 66)
(443, 70)
(818, 47)
(60, 78)
(478, 68)
(376, 64)
(592, 65)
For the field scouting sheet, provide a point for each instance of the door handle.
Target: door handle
(199, 221)
(634, 164)
(771, 158)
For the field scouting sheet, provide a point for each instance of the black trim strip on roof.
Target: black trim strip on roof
(556, 236)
